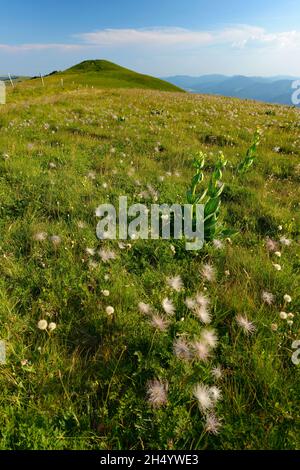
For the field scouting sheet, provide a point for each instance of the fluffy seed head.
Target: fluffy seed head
(202, 394)
(247, 326)
(168, 306)
(157, 393)
(181, 349)
(175, 283)
(42, 324)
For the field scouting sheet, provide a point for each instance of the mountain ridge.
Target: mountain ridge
(275, 90)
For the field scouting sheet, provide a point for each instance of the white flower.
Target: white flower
(202, 300)
(202, 394)
(283, 315)
(218, 244)
(245, 324)
(278, 254)
(217, 372)
(274, 327)
(215, 393)
(175, 283)
(271, 245)
(287, 298)
(277, 267)
(291, 315)
(267, 297)
(40, 236)
(201, 350)
(105, 293)
(212, 424)
(208, 272)
(55, 239)
(190, 303)
(42, 324)
(203, 314)
(110, 310)
(168, 306)
(173, 249)
(181, 349)
(106, 255)
(285, 241)
(209, 337)
(290, 322)
(52, 326)
(159, 323)
(90, 251)
(144, 308)
(157, 393)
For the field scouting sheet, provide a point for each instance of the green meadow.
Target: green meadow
(141, 344)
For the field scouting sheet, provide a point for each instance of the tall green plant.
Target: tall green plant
(251, 154)
(210, 197)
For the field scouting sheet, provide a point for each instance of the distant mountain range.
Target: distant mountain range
(271, 90)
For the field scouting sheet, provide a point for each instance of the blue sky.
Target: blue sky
(158, 37)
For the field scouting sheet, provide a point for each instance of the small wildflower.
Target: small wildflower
(202, 394)
(175, 283)
(267, 297)
(277, 267)
(287, 298)
(110, 310)
(55, 240)
(291, 315)
(208, 272)
(144, 308)
(278, 254)
(283, 315)
(40, 236)
(106, 255)
(212, 424)
(290, 322)
(90, 251)
(157, 393)
(218, 244)
(215, 393)
(42, 324)
(271, 245)
(217, 372)
(201, 350)
(52, 326)
(274, 327)
(190, 303)
(181, 349)
(168, 306)
(285, 241)
(209, 337)
(159, 323)
(105, 293)
(245, 324)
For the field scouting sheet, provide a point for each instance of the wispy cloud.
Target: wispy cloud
(235, 36)
(11, 48)
(238, 36)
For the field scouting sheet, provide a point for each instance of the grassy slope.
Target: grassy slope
(98, 74)
(84, 383)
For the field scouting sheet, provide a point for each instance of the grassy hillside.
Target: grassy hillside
(97, 74)
(85, 384)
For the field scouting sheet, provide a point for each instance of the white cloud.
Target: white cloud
(238, 36)
(235, 36)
